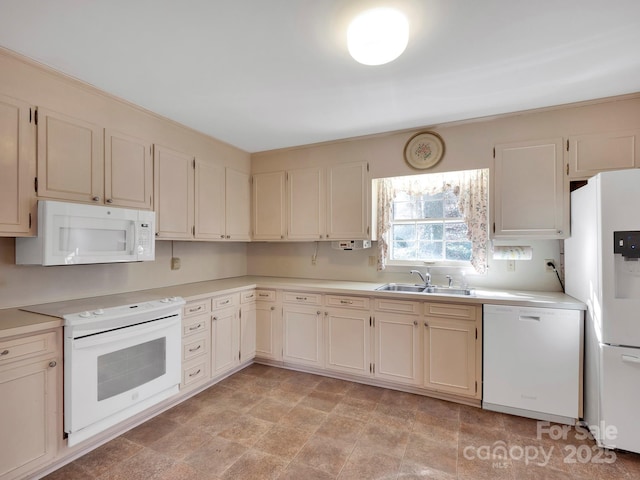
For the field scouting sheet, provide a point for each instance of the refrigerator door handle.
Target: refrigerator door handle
(630, 359)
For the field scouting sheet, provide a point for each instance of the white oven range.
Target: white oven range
(118, 361)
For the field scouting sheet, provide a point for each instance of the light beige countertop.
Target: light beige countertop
(14, 321)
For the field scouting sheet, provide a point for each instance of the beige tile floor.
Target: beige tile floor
(271, 423)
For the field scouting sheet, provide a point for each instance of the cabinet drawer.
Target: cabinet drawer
(248, 296)
(266, 295)
(397, 306)
(196, 308)
(225, 301)
(27, 347)
(347, 302)
(195, 325)
(195, 372)
(451, 310)
(194, 346)
(303, 298)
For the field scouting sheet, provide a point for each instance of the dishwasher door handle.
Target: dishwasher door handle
(529, 318)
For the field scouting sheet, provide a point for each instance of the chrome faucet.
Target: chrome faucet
(426, 277)
(450, 280)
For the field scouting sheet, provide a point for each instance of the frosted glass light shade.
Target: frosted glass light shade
(378, 36)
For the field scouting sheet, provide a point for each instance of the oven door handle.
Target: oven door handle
(125, 333)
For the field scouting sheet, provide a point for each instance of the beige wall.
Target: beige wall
(468, 145)
(23, 285)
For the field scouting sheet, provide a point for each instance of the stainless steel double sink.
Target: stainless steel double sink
(433, 289)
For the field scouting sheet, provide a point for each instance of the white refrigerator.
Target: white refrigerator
(602, 269)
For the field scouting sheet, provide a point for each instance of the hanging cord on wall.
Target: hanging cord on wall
(553, 266)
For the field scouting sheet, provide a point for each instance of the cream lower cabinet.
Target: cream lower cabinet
(397, 336)
(268, 326)
(248, 310)
(348, 335)
(225, 334)
(196, 344)
(302, 320)
(30, 401)
(452, 348)
(18, 163)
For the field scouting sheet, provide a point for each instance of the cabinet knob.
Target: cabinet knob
(109, 200)
(273, 308)
(426, 324)
(228, 236)
(318, 312)
(95, 199)
(4, 352)
(221, 236)
(53, 363)
(415, 323)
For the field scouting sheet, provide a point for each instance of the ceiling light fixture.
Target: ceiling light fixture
(378, 36)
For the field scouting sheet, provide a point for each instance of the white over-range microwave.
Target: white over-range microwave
(73, 233)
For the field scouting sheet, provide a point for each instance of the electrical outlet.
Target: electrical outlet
(511, 265)
(175, 263)
(547, 267)
(313, 260)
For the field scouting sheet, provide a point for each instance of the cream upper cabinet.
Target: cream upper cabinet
(174, 194)
(452, 349)
(80, 161)
(530, 198)
(268, 206)
(18, 163)
(306, 204)
(70, 158)
(199, 200)
(237, 205)
(597, 152)
(314, 203)
(128, 171)
(209, 201)
(348, 202)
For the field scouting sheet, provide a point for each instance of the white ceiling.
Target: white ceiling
(266, 74)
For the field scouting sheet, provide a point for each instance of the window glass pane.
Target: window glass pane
(430, 250)
(455, 231)
(451, 204)
(403, 210)
(430, 231)
(432, 209)
(458, 250)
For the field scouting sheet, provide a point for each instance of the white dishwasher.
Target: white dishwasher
(532, 362)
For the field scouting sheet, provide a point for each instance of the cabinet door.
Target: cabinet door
(348, 207)
(450, 356)
(302, 328)
(268, 331)
(530, 198)
(17, 160)
(237, 205)
(225, 343)
(248, 332)
(306, 204)
(597, 152)
(128, 171)
(173, 179)
(209, 201)
(268, 206)
(70, 158)
(29, 416)
(348, 341)
(397, 347)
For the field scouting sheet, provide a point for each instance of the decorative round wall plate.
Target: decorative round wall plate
(424, 150)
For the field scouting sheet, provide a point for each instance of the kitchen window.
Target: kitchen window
(438, 219)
